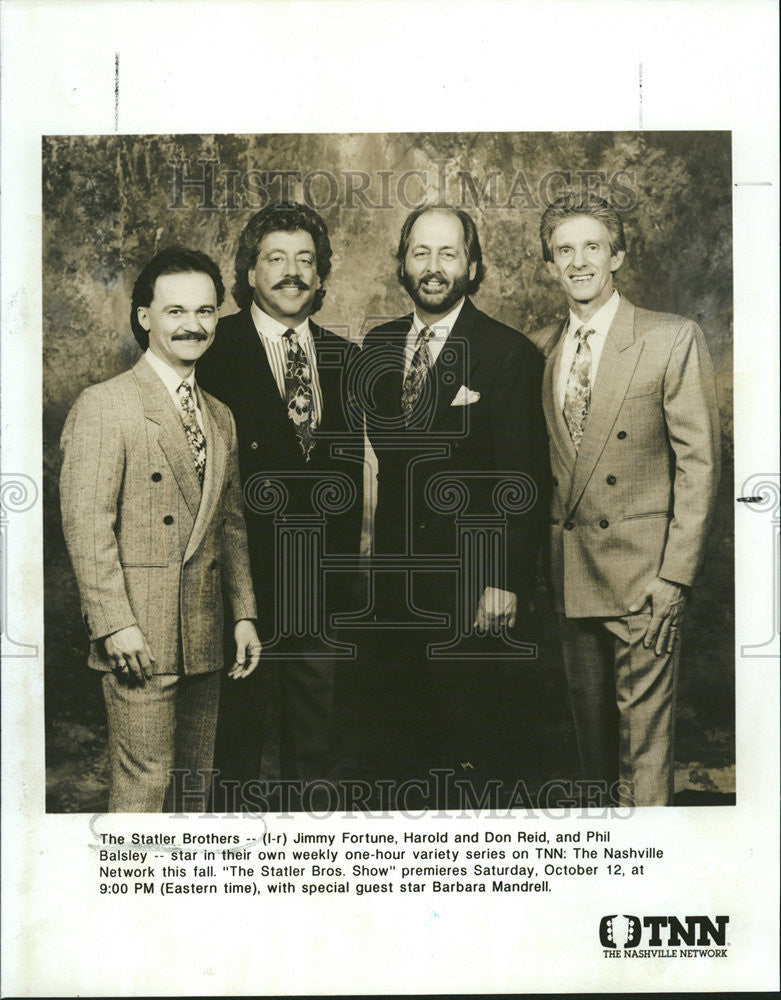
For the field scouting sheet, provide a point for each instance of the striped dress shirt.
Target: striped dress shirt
(171, 380)
(272, 336)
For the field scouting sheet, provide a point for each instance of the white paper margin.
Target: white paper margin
(374, 66)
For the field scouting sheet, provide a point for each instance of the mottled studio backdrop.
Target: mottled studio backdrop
(110, 202)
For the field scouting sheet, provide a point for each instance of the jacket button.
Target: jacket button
(604, 523)
(611, 480)
(253, 445)
(555, 481)
(156, 477)
(168, 519)
(568, 525)
(621, 435)
(213, 564)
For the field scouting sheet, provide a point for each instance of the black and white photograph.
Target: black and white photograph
(389, 500)
(499, 608)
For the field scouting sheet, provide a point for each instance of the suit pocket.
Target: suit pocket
(644, 389)
(652, 513)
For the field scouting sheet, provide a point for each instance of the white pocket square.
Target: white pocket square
(465, 396)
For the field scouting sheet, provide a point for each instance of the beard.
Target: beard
(442, 301)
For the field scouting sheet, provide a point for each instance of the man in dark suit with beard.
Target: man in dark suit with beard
(453, 413)
(286, 381)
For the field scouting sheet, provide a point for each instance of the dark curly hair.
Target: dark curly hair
(288, 217)
(171, 260)
(474, 252)
(572, 204)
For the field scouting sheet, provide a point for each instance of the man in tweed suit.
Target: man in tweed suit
(630, 405)
(151, 512)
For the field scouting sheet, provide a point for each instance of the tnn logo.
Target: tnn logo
(627, 931)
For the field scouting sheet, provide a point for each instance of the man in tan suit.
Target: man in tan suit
(151, 512)
(630, 405)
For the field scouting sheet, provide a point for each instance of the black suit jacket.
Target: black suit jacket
(482, 460)
(236, 370)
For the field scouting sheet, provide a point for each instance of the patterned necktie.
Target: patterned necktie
(195, 436)
(577, 397)
(298, 392)
(418, 371)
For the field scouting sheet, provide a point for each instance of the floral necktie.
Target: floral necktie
(418, 371)
(195, 436)
(298, 392)
(577, 396)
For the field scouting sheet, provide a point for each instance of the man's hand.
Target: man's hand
(668, 601)
(496, 608)
(248, 649)
(129, 653)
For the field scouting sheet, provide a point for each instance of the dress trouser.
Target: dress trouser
(623, 703)
(305, 689)
(162, 730)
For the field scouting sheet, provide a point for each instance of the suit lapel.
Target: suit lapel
(550, 401)
(216, 457)
(330, 368)
(259, 387)
(455, 363)
(391, 364)
(616, 367)
(446, 376)
(160, 409)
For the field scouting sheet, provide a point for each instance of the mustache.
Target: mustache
(195, 335)
(295, 282)
(433, 275)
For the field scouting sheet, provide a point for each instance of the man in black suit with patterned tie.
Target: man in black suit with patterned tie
(454, 415)
(287, 382)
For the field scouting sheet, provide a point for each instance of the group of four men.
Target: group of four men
(248, 483)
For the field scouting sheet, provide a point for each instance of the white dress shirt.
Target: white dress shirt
(600, 323)
(441, 330)
(275, 344)
(172, 380)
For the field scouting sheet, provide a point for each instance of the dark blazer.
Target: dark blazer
(447, 461)
(236, 371)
